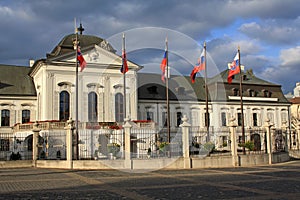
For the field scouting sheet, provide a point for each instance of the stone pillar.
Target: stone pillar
(285, 133)
(185, 142)
(268, 126)
(127, 130)
(35, 142)
(69, 142)
(232, 128)
(298, 135)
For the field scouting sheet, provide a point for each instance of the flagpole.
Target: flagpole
(167, 93)
(124, 77)
(242, 109)
(76, 91)
(206, 95)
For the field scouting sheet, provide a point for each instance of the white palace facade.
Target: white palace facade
(46, 91)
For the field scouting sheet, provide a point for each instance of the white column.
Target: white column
(232, 128)
(69, 142)
(35, 140)
(268, 126)
(185, 142)
(127, 130)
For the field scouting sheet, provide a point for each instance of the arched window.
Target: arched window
(92, 107)
(25, 116)
(119, 110)
(64, 106)
(5, 117)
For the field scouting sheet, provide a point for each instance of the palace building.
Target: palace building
(46, 91)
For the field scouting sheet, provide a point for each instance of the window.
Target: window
(152, 90)
(25, 116)
(92, 107)
(164, 119)
(4, 144)
(179, 116)
(149, 115)
(284, 117)
(180, 90)
(234, 91)
(239, 119)
(270, 116)
(251, 93)
(223, 119)
(267, 93)
(254, 115)
(64, 106)
(207, 119)
(119, 110)
(5, 117)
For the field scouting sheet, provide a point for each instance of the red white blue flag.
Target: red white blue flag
(199, 67)
(80, 59)
(234, 68)
(163, 66)
(124, 67)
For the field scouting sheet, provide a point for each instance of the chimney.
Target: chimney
(31, 62)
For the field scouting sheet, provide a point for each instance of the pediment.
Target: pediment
(98, 56)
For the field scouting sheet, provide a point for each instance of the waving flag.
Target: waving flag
(163, 66)
(124, 67)
(80, 59)
(234, 68)
(199, 67)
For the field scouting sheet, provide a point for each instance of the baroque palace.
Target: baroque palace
(45, 91)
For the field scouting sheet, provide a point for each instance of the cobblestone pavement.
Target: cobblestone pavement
(279, 181)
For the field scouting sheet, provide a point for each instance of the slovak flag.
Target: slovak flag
(163, 66)
(199, 67)
(124, 67)
(234, 68)
(80, 59)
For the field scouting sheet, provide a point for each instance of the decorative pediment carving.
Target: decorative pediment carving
(94, 56)
(105, 45)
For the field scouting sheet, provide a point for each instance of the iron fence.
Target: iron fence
(148, 143)
(52, 144)
(15, 147)
(103, 143)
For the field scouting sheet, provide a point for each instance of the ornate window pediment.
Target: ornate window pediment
(65, 83)
(94, 85)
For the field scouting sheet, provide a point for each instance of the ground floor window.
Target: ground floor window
(25, 116)
(5, 117)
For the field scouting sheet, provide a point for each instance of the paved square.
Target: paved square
(279, 181)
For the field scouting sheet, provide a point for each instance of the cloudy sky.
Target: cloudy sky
(267, 31)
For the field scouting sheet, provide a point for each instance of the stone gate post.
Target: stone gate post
(285, 132)
(185, 142)
(298, 135)
(69, 142)
(268, 126)
(127, 151)
(35, 142)
(232, 128)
